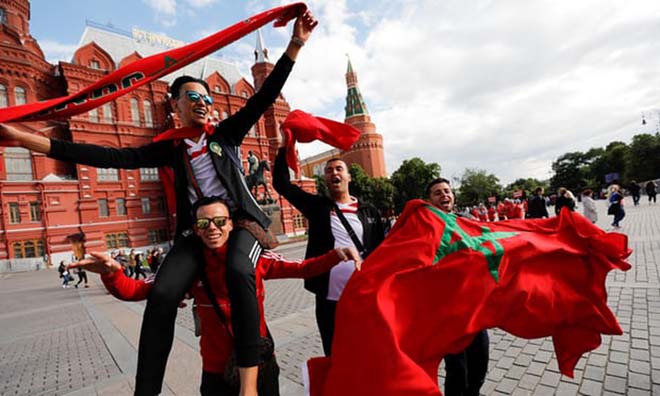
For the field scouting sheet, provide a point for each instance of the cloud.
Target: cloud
(200, 3)
(165, 7)
(503, 86)
(56, 51)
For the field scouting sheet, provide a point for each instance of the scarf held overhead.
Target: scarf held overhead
(145, 70)
(438, 279)
(303, 127)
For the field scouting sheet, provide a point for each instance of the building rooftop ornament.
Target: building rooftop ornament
(354, 102)
(260, 51)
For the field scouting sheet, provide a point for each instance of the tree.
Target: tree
(570, 171)
(321, 187)
(477, 186)
(643, 157)
(411, 179)
(528, 185)
(377, 191)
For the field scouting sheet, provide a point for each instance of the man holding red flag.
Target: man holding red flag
(336, 221)
(466, 370)
(438, 279)
(204, 161)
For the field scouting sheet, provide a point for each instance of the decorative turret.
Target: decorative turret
(368, 150)
(260, 52)
(354, 102)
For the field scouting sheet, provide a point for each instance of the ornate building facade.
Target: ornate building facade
(367, 151)
(43, 201)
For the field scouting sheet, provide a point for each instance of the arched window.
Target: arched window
(19, 95)
(3, 16)
(18, 163)
(148, 117)
(135, 112)
(3, 96)
(29, 249)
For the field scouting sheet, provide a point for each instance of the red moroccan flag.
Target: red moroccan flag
(438, 279)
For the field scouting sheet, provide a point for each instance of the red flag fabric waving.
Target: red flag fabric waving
(143, 71)
(304, 127)
(437, 279)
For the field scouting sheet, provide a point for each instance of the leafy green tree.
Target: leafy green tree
(643, 157)
(528, 185)
(377, 191)
(570, 171)
(411, 179)
(321, 187)
(476, 186)
(382, 196)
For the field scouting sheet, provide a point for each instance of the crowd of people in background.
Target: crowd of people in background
(134, 264)
(535, 207)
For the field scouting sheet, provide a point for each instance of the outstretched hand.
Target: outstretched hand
(350, 253)
(304, 26)
(100, 263)
(8, 135)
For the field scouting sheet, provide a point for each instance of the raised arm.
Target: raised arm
(301, 199)
(237, 126)
(275, 266)
(113, 277)
(150, 155)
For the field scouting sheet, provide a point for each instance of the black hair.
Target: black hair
(434, 182)
(204, 201)
(175, 87)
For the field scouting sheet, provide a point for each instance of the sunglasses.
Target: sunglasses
(203, 223)
(196, 96)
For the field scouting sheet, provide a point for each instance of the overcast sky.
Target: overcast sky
(505, 86)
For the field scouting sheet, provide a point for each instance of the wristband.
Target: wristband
(298, 41)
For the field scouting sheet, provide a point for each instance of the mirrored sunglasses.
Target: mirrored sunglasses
(195, 96)
(204, 223)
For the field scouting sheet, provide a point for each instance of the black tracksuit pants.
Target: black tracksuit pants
(466, 371)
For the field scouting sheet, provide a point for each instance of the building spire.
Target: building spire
(354, 102)
(260, 51)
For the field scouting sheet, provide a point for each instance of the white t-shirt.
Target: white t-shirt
(341, 273)
(205, 173)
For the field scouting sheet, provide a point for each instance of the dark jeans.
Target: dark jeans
(174, 277)
(82, 276)
(618, 216)
(651, 198)
(325, 320)
(466, 371)
(636, 199)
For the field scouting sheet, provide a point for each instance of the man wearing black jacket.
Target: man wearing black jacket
(204, 163)
(536, 208)
(326, 231)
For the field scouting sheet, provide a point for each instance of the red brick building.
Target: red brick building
(43, 201)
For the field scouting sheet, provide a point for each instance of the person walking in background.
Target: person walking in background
(651, 190)
(616, 205)
(82, 275)
(64, 274)
(635, 190)
(564, 199)
(139, 268)
(589, 205)
(536, 205)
